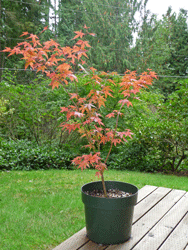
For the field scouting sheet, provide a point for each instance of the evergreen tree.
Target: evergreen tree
(162, 45)
(19, 16)
(178, 43)
(112, 21)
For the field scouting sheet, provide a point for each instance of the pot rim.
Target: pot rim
(120, 182)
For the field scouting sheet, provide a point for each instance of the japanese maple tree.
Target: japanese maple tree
(85, 113)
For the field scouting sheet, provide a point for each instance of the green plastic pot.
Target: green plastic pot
(109, 221)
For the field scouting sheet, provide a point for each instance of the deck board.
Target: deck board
(164, 227)
(144, 192)
(179, 237)
(74, 242)
(149, 220)
(143, 207)
(160, 219)
(92, 246)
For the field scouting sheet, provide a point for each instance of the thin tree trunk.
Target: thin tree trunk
(103, 184)
(180, 160)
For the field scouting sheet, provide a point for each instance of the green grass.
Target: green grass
(40, 209)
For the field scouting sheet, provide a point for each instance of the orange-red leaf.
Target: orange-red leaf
(78, 34)
(101, 101)
(24, 34)
(125, 134)
(110, 115)
(92, 69)
(85, 161)
(98, 174)
(70, 127)
(35, 39)
(64, 109)
(7, 49)
(85, 27)
(97, 120)
(92, 34)
(63, 67)
(110, 80)
(83, 44)
(106, 90)
(101, 166)
(125, 101)
(115, 141)
(54, 83)
(78, 114)
(41, 68)
(45, 28)
(74, 96)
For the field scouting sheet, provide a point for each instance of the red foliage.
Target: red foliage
(85, 113)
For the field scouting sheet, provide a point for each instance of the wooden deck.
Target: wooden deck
(160, 222)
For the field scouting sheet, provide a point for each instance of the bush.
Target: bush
(160, 141)
(27, 155)
(31, 111)
(164, 133)
(134, 155)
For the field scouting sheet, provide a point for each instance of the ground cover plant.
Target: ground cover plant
(40, 209)
(28, 155)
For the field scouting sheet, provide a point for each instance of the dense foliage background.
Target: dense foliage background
(30, 135)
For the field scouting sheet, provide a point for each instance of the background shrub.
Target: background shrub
(31, 136)
(27, 155)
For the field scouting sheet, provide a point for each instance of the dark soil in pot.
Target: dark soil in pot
(111, 193)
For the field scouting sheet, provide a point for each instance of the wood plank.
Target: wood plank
(142, 226)
(74, 242)
(92, 246)
(186, 248)
(150, 201)
(178, 238)
(161, 231)
(145, 191)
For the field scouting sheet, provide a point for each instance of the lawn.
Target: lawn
(40, 209)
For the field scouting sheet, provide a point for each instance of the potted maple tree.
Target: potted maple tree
(109, 205)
